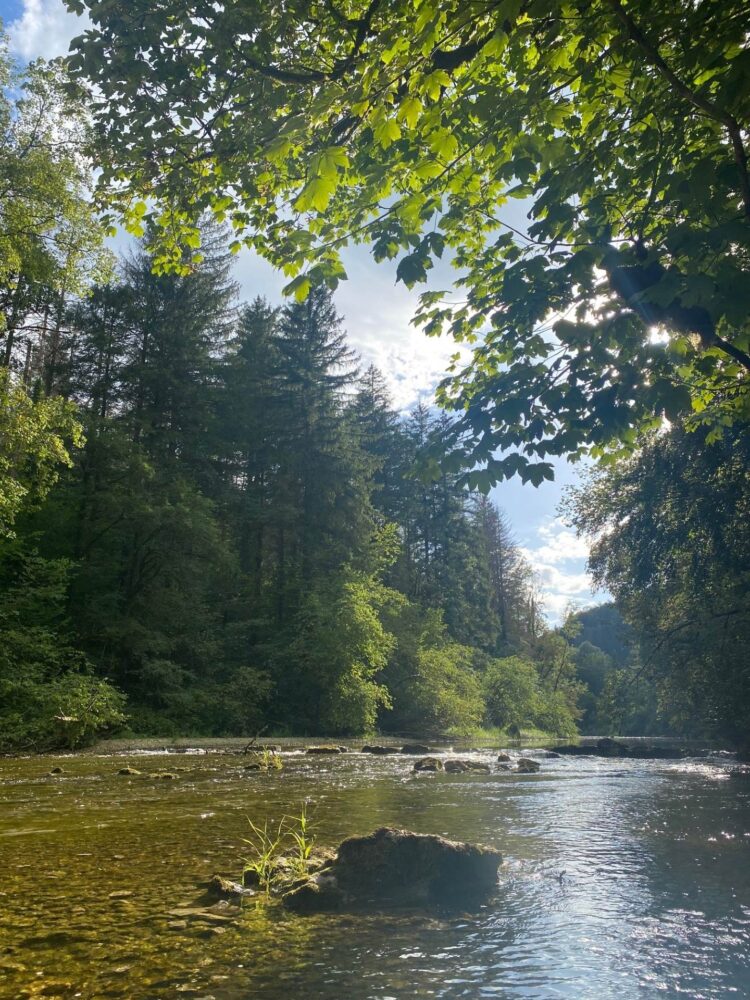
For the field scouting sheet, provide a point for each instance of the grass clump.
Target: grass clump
(280, 853)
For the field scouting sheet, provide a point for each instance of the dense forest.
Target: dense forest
(214, 521)
(242, 541)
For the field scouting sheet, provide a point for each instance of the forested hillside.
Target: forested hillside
(242, 542)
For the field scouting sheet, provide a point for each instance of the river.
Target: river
(621, 880)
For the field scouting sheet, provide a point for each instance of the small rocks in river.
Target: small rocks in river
(505, 767)
(121, 894)
(399, 868)
(528, 766)
(503, 757)
(326, 748)
(56, 770)
(428, 764)
(164, 776)
(379, 750)
(128, 770)
(415, 748)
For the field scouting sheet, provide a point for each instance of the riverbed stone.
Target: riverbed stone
(396, 868)
(57, 989)
(56, 770)
(199, 914)
(326, 749)
(128, 771)
(379, 750)
(503, 757)
(429, 764)
(528, 766)
(415, 748)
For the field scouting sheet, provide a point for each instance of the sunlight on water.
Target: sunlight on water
(622, 879)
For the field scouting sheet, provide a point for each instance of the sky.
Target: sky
(377, 313)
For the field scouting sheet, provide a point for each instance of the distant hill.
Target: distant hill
(604, 627)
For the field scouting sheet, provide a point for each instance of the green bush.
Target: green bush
(511, 691)
(67, 712)
(48, 695)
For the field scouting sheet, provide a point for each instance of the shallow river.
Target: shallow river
(622, 879)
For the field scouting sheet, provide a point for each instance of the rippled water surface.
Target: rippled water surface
(622, 879)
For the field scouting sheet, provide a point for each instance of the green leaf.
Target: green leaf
(315, 194)
(299, 287)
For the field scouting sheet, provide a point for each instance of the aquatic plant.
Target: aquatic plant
(266, 849)
(280, 853)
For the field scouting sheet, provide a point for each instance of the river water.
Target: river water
(621, 880)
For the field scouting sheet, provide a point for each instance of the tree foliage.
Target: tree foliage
(671, 530)
(621, 125)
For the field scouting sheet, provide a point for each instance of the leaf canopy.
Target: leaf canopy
(622, 124)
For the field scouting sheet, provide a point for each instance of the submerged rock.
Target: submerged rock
(57, 989)
(503, 757)
(56, 770)
(528, 766)
(379, 750)
(429, 764)
(164, 776)
(394, 868)
(415, 748)
(326, 748)
(128, 770)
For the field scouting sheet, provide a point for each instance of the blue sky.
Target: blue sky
(377, 312)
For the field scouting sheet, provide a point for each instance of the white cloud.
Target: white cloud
(559, 543)
(559, 560)
(44, 29)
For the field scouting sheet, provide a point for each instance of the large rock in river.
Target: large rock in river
(528, 766)
(457, 765)
(395, 868)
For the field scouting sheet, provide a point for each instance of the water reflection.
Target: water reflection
(622, 880)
